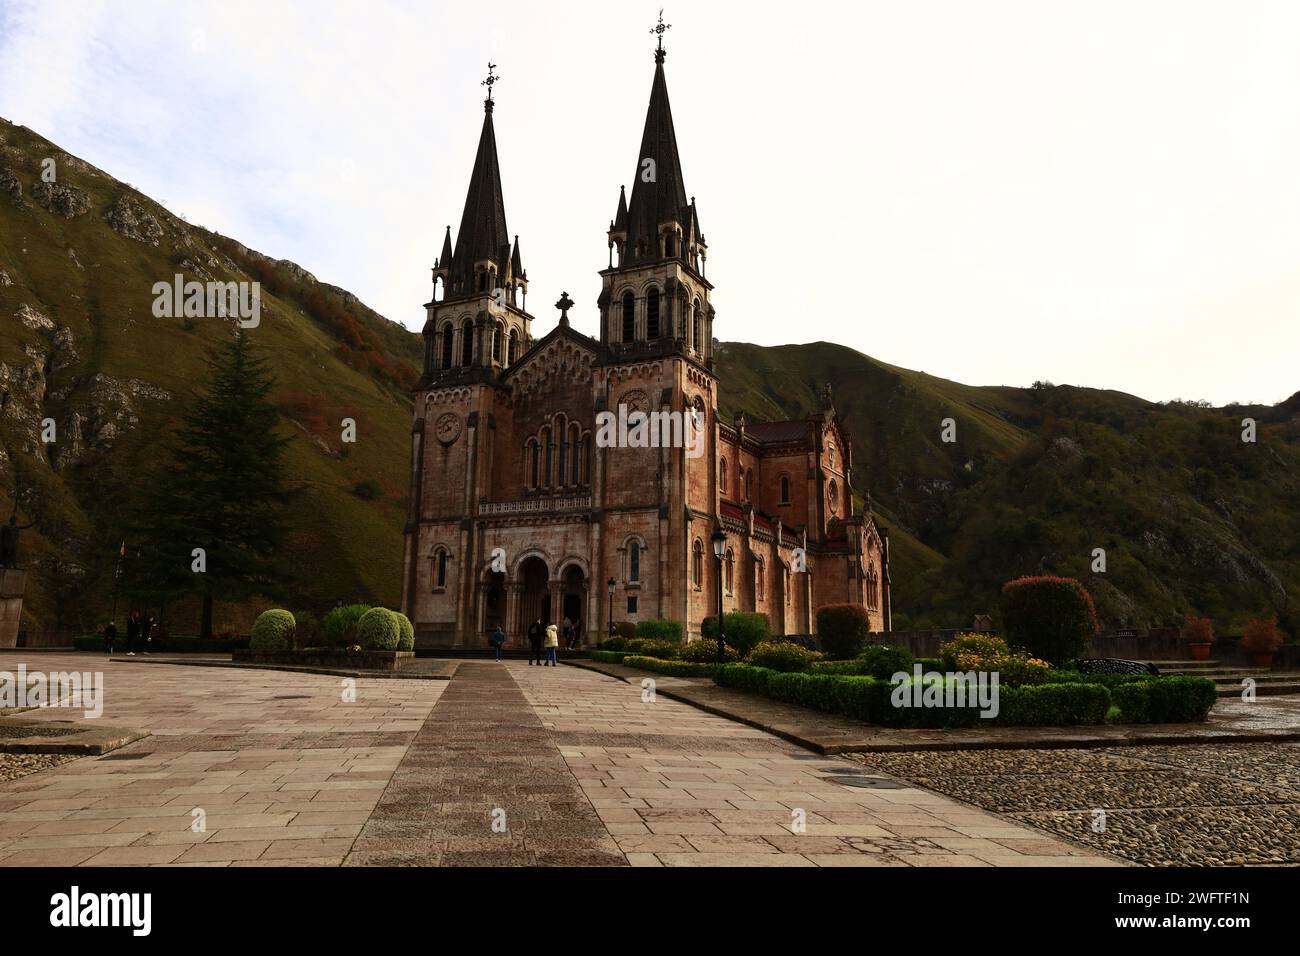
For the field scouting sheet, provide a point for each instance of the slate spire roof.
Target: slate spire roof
(483, 233)
(660, 197)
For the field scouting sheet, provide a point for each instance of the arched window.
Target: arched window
(833, 496)
(496, 343)
(547, 448)
(722, 475)
(785, 582)
(698, 335)
(448, 345)
(512, 352)
(575, 455)
(438, 560)
(629, 317)
(533, 461)
(729, 579)
(758, 579)
(586, 458)
(785, 490)
(697, 564)
(562, 463)
(652, 314)
(670, 245)
(749, 485)
(467, 343)
(634, 562)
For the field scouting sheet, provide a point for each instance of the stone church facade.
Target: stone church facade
(518, 510)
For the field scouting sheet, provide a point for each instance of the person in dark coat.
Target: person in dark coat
(146, 628)
(132, 633)
(498, 640)
(110, 635)
(535, 636)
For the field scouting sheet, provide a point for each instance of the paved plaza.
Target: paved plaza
(506, 764)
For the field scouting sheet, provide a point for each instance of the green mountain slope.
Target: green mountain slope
(1190, 517)
(78, 262)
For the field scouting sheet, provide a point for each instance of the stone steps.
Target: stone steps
(1227, 679)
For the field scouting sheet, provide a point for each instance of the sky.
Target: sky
(1100, 193)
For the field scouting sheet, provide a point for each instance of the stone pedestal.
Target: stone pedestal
(12, 583)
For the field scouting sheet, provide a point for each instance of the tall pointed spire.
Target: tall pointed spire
(658, 192)
(444, 259)
(483, 234)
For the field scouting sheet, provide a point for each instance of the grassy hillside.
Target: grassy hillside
(1190, 517)
(78, 261)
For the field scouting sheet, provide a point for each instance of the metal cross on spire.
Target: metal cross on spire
(492, 79)
(660, 30)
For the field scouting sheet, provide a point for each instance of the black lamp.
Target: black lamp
(720, 549)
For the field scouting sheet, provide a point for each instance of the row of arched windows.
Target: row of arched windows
(558, 456)
(457, 345)
(658, 322)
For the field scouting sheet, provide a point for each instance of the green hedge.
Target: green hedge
(704, 651)
(609, 657)
(339, 629)
(648, 648)
(1051, 617)
(741, 629)
(1164, 700)
(783, 656)
(870, 700)
(658, 630)
(671, 668)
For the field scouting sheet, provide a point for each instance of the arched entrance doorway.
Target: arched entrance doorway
(494, 601)
(535, 594)
(574, 598)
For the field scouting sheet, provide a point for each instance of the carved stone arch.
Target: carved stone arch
(573, 560)
(531, 553)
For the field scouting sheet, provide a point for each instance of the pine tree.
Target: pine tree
(220, 489)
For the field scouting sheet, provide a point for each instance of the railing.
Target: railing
(535, 505)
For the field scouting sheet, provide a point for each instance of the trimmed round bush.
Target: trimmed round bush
(705, 651)
(406, 642)
(782, 656)
(883, 661)
(658, 630)
(273, 631)
(340, 625)
(741, 630)
(1052, 618)
(615, 644)
(843, 630)
(625, 629)
(378, 630)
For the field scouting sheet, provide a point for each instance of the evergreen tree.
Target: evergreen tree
(220, 489)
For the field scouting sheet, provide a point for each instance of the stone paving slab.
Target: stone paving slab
(1276, 720)
(75, 737)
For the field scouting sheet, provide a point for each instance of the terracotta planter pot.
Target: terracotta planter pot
(1262, 658)
(1200, 652)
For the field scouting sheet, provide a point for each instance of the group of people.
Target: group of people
(139, 627)
(543, 640)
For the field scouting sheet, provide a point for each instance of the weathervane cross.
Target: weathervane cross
(661, 29)
(492, 78)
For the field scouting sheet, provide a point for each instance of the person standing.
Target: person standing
(552, 645)
(146, 628)
(110, 635)
(577, 635)
(132, 632)
(535, 642)
(498, 641)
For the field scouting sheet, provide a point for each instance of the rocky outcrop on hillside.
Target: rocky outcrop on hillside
(67, 201)
(11, 185)
(128, 218)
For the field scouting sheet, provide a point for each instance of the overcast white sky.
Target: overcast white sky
(1096, 193)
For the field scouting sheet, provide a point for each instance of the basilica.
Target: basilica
(519, 510)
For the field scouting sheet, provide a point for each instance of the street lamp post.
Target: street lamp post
(612, 585)
(719, 549)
